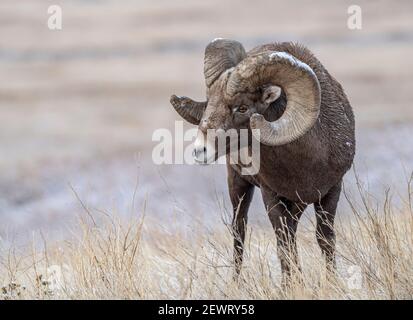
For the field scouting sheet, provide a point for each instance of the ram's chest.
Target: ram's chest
(293, 173)
(241, 170)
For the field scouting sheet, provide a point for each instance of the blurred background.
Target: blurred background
(78, 106)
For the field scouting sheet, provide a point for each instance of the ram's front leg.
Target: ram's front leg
(284, 216)
(325, 214)
(241, 193)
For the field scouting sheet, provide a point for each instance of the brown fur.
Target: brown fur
(306, 171)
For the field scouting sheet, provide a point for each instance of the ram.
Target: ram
(306, 134)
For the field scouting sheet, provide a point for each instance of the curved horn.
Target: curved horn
(188, 109)
(300, 85)
(220, 55)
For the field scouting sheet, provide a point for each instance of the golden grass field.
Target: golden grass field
(84, 211)
(111, 258)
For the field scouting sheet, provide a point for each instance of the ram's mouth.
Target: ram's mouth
(204, 161)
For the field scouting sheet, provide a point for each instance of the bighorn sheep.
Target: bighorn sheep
(306, 137)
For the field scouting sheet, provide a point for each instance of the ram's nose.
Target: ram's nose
(199, 152)
(200, 155)
(203, 151)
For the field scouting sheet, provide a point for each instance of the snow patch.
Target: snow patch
(216, 39)
(293, 60)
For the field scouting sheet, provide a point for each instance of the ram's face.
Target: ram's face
(219, 117)
(224, 117)
(240, 89)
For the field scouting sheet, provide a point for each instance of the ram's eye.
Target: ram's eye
(242, 109)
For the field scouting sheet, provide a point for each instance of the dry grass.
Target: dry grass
(137, 259)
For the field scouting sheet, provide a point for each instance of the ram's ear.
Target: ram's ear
(270, 94)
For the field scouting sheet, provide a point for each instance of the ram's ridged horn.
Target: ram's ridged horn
(299, 83)
(221, 55)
